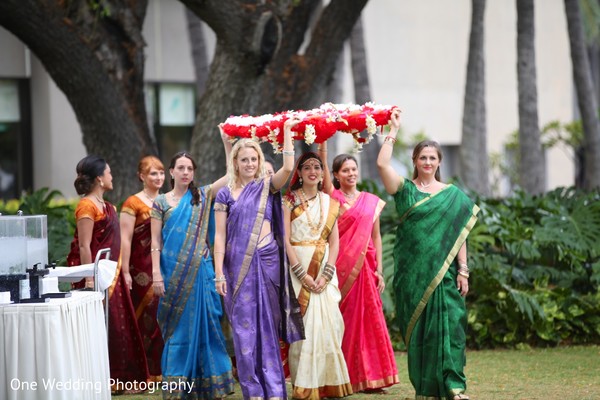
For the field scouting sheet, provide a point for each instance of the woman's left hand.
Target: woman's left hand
(462, 283)
(380, 282)
(320, 285)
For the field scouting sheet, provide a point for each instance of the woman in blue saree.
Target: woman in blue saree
(431, 275)
(195, 362)
(251, 268)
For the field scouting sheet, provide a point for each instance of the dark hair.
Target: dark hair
(192, 185)
(88, 169)
(270, 161)
(419, 148)
(295, 182)
(338, 161)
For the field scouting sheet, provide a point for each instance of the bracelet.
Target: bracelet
(299, 271)
(220, 279)
(288, 152)
(151, 250)
(463, 266)
(464, 273)
(390, 139)
(328, 272)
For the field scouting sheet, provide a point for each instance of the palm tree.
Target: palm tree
(532, 164)
(473, 150)
(585, 96)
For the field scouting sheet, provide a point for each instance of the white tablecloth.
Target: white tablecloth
(54, 350)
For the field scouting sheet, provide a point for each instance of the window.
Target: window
(171, 111)
(16, 164)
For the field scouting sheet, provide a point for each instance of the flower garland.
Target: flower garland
(316, 125)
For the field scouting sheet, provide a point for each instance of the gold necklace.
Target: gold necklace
(100, 199)
(175, 199)
(314, 229)
(349, 196)
(148, 196)
(424, 186)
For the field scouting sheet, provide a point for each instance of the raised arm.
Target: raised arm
(327, 183)
(282, 175)
(222, 181)
(391, 180)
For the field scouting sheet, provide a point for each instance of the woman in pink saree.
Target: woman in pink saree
(366, 345)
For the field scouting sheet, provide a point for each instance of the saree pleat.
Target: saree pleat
(366, 345)
(144, 301)
(125, 350)
(430, 310)
(317, 365)
(189, 314)
(257, 302)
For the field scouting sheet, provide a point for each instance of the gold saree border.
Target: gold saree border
(329, 391)
(376, 384)
(440, 275)
(317, 257)
(254, 236)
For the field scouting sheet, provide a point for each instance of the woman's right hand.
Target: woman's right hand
(127, 278)
(158, 285)
(395, 119)
(221, 287)
(309, 283)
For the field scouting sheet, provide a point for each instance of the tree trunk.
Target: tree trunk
(473, 149)
(362, 94)
(259, 67)
(532, 164)
(199, 51)
(585, 96)
(95, 56)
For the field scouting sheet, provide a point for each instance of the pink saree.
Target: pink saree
(366, 345)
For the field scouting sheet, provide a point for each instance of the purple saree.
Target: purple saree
(258, 301)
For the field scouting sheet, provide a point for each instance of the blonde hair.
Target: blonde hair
(231, 170)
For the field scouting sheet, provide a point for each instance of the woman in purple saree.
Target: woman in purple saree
(251, 272)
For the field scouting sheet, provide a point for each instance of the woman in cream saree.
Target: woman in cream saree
(317, 365)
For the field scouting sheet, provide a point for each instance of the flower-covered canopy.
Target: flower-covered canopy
(316, 125)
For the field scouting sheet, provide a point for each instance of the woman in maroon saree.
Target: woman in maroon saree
(366, 345)
(136, 262)
(98, 228)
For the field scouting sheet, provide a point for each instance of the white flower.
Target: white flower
(309, 134)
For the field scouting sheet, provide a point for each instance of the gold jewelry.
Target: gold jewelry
(424, 186)
(314, 228)
(175, 199)
(349, 196)
(220, 279)
(151, 250)
(389, 139)
(148, 196)
(99, 198)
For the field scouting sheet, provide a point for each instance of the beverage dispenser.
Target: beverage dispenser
(13, 255)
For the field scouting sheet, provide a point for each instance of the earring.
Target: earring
(300, 180)
(101, 184)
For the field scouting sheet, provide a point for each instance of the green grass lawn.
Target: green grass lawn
(571, 373)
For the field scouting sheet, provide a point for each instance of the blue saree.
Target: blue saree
(195, 363)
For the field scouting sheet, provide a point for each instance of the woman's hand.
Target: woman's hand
(89, 283)
(290, 123)
(321, 285)
(462, 283)
(309, 283)
(395, 119)
(380, 282)
(127, 278)
(158, 285)
(221, 287)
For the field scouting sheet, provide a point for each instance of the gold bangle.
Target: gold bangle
(390, 138)
(463, 273)
(151, 250)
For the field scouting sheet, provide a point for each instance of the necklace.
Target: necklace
(148, 196)
(424, 186)
(314, 228)
(100, 199)
(349, 196)
(175, 199)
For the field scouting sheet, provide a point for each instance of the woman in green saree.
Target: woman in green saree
(431, 274)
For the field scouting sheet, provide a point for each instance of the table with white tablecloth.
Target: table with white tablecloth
(55, 350)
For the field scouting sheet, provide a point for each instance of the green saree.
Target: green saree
(430, 310)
